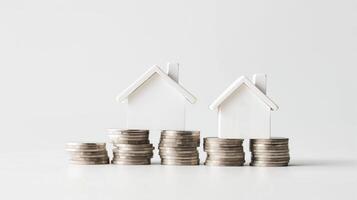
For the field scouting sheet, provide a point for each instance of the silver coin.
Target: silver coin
(89, 156)
(178, 154)
(226, 154)
(178, 145)
(83, 150)
(118, 152)
(196, 143)
(224, 149)
(179, 162)
(127, 150)
(140, 154)
(133, 142)
(180, 140)
(116, 138)
(133, 146)
(274, 140)
(182, 144)
(88, 153)
(179, 133)
(268, 148)
(270, 151)
(89, 162)
(221, 141)
(170, 157)
(180, 137)
(225, 159)
(131, 158)
(128, 136)
(270, 159)
(85, 145)
(269, 164)
(127, 131)
(221, 146)
(133, 153)
(177, 148)
(131, 162)
(268, 145)
(270, 156)
(220, 163)
(214, 157)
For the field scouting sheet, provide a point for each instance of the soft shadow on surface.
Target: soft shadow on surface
(324, 162)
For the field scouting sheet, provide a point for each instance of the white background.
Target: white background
(62, 62)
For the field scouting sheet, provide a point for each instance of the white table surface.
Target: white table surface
(48, 176)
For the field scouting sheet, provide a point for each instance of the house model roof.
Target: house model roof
(146, 76)
(237, 84)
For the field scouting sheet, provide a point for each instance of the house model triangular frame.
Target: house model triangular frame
(156, 100)
(244, 109)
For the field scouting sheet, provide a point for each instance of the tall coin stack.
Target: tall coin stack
(87, 153)
(224, 151)
(179, 147)
(273, 152)
(131, 147)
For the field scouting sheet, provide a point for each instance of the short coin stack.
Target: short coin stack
(179, 147)
(224, 151)
(87, 153)
(131, 147)
(273, 152)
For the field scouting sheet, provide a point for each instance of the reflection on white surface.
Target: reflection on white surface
(49, 176)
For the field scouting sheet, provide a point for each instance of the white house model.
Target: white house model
(244, 110)
(156, 100)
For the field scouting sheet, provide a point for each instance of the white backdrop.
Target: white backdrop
(62, 62)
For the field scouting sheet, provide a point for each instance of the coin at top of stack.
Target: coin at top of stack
(179, 147)
(131, 147)
(273, 152)
(224, 151)
(87, 153)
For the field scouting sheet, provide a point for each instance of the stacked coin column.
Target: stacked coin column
(131, 147)
(179, 147)
(87, 153)
(224, 152)
(273, 152)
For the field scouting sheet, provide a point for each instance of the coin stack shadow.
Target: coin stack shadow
(131, 147)
(273, 152)
(224, 151)
(179, 147)
(87, 153)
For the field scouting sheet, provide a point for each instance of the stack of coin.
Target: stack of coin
(223, 151)
(273, 152)
(87, 153)
(131, 147)
(179, 147)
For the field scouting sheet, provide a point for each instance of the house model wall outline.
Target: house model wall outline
(156, 100)
(244, 109)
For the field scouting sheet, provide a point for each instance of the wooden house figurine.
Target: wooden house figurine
(156, 100)
(244, 110)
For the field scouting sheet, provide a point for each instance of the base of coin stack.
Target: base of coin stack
(273, 152)
(87, 153)
(179, 147)
(224, 151)
(131, 147)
